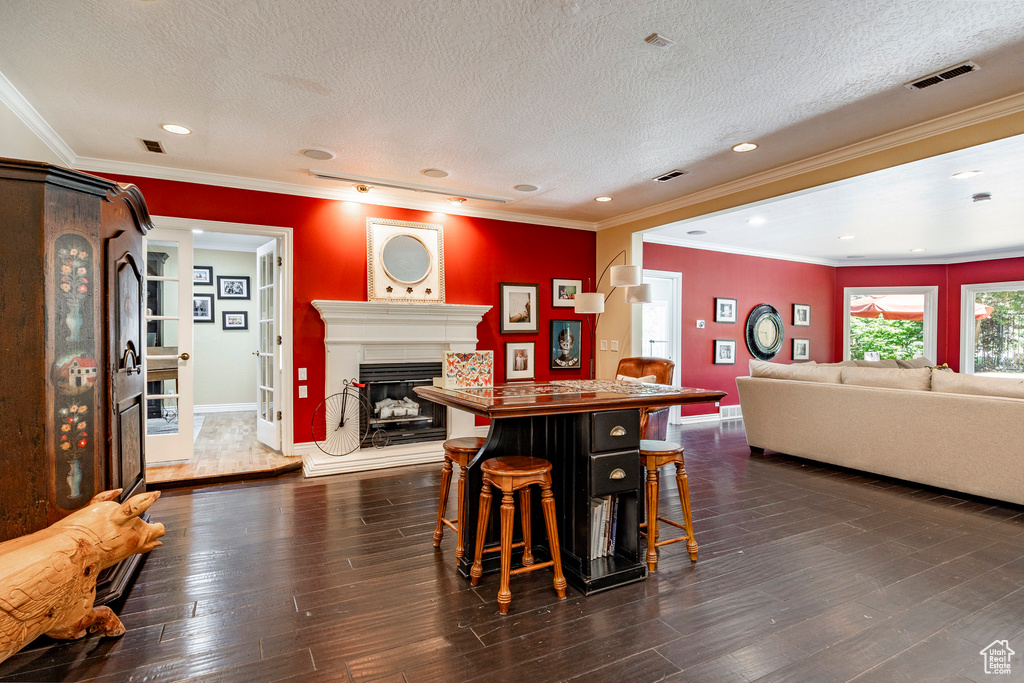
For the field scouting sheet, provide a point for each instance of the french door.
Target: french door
(170, 309)
(268, 365)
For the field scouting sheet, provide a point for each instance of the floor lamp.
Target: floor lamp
(592, 303)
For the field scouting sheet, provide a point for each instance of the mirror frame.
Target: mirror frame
(380, 285)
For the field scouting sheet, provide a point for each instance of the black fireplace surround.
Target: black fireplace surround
(397, 421)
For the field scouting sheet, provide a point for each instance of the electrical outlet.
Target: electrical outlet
(302, 373)
(700, 324)
(615, 344)
(604, 344)
(302, 391)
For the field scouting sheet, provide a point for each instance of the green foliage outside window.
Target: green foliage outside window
(891, 338)
(999, 340)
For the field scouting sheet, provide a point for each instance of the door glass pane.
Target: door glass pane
(999, 333)
(165, 418)
(886, 326)
(657, 320)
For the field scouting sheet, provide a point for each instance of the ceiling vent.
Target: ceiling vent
(940, 76)
(154, 146)
(669, 176)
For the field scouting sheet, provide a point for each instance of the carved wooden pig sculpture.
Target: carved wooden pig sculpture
(48, 579)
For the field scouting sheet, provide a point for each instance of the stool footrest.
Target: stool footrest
(450, 524)
(532, 567)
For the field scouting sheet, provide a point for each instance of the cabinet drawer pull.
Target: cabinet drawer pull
(617, 473)
(618, 431)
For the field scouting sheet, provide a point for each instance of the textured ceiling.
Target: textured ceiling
(561, 94)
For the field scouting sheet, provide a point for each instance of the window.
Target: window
(992, 329)
(892, 322)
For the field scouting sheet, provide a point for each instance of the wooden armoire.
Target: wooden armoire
(72, 403)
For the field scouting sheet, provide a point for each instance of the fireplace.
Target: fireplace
(400, 416)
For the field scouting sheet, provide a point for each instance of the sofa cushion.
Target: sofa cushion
(884, 363)
(918, 379)
(955, 383)
(919, 362)
(840, 364)
(805, 372)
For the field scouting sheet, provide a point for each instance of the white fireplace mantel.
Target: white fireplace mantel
(359, 332)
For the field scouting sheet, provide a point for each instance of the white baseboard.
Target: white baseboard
(224, 408)
(693, 419)
(724, 413)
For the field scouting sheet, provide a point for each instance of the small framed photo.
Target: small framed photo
(232, 286)
(519, 360)
(725, 311)
(563, 292)
(519, 312)
(725, 352)
(566, 344)
(202, 308)
(235, 320)
(202, 275)
(801, 315)
(801, 349)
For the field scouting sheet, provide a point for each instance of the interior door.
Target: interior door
(662, 323)
(268, 365)
(170, 311)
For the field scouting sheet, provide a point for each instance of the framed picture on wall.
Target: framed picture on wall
(202, 275)
(725, 310)
(566, 344)
(519, 360)
(202, 308)
(801, 349)
(801, 315)
(563, 292)
(519, 312)
(232, 286)
(235, 320)
(725, 352)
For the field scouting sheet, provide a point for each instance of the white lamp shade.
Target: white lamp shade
(639, 294)
(625, 276)
(589, 302)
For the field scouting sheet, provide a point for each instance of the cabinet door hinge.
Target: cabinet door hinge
(280, 340)
(280, 261)
(279, 416)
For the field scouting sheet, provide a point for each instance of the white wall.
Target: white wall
(17, 141)
(225, 367)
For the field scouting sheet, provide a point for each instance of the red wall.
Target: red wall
(330, 263)
(948, 278)
(751, 281)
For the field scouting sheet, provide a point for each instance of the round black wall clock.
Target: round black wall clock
(764, 332)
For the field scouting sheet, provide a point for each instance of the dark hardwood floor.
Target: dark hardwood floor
(805, 573)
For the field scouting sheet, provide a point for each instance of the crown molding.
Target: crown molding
(346, 194)
(944, 124)
(836, 263)
(17, 103)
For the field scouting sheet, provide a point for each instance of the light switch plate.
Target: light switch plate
(302, 391)
(604, 344)
(302, 372)
(615, 344)
(700, 324)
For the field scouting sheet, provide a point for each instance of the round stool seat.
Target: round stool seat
(515, 465)
(468, 445)
(652, 447)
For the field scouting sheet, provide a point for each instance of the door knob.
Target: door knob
(184, 356)
(256, 353)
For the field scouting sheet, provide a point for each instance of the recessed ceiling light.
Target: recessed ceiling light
(697, 232)
(918, 249)
(966, 174)
(434, 173)
(756, 220)
(362, 188)
(981, 197)
(744, 147)
(175, 128)
(525, 188)
(457, 200)
(846, 237)
(602, 199)
(319, 154)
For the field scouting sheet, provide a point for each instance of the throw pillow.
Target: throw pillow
(884, 363)
(649, 379)
(919, 362)
(955, 383)
(917, 379)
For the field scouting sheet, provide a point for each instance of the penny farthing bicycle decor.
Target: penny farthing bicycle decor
(342, 420)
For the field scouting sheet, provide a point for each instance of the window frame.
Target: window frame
(931, 308)
(967, 336)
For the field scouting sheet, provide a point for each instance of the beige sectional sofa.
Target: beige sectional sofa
(935, 427)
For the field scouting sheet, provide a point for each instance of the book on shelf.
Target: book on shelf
(596, 517)
(615, 525)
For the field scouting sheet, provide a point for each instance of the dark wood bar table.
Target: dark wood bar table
(590, 431)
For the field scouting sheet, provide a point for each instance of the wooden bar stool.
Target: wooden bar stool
(656, 454)
(511, 474)
(460, 450)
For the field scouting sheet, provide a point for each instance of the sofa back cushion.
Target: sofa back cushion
(805, 372)
(955, 383)
(919, 362)
(917, 379)
(884, 363)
